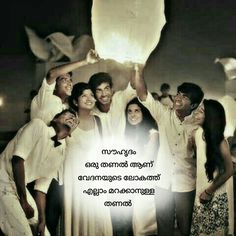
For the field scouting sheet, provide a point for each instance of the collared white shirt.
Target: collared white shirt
(33, 144)
(45, 105)
(114, 119)
(175, 161)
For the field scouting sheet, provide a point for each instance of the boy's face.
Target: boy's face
(104, 93)
(64, 85)
(182, 102)
(69, 120)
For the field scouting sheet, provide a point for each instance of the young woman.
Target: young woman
(141, 133)
(84, 215)
(214, 167)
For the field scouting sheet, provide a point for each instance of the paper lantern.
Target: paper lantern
(127, 30)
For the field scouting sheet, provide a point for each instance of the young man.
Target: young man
(175, 161)
(110, 103)
(34, 154)
(51, 99)
(56, 88)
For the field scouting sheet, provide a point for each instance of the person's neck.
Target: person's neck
(63, 98)
(103, 107)
(84, 114)
(182, 114)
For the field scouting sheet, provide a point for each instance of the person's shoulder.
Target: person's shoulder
(198, 133)
(37, 123)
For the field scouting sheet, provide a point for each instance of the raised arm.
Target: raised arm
(55, 72)
(140, 84)
(220, 178)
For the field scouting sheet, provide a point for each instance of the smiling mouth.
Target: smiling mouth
(69, 89)
(104, 99)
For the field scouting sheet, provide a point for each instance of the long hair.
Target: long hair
(213, 127)
(141, 130)
(77, 91)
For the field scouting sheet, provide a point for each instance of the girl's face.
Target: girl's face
(134, 114)
(86, 100)
(199, 115)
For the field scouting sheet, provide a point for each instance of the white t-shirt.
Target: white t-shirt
(45, 105)
(33, 144)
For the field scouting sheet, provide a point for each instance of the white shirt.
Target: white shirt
(33, 144)
(45, 105)
(175, 160)
(115, 120)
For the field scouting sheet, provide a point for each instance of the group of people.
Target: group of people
(68, 124)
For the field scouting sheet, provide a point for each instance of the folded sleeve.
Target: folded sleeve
(28, 138)
(42, 184)
(41, 99)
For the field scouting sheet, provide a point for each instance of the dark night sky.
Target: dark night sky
(69, 17)
(197, 31)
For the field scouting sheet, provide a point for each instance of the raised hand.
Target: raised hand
(92, 57)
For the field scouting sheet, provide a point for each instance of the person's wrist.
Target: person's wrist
(208, 193)
(85, 62)
(23, 199)
(42, 219)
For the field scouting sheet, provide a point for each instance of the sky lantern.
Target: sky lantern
(127, 31)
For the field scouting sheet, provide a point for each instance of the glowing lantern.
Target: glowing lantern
(127, 30)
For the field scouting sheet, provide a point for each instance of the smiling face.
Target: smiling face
(104, 93)
(64, 85)
(134, 114)
(199, 115)
(182, 102)
(67, 122)
(86, 100)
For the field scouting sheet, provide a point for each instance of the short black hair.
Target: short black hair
(99, 78)
(164, 86)
(63, 112)
(193, 92)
